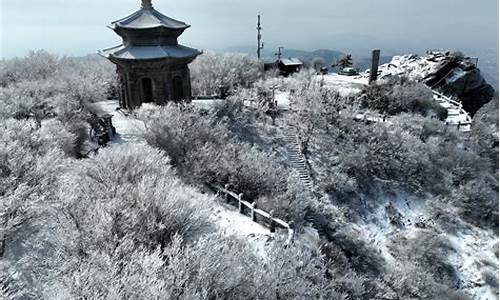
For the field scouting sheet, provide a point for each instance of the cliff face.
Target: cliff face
(451, 73)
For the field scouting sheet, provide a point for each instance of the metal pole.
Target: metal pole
(279, 52)
(260, 44)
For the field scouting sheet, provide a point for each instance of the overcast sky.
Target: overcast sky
(77, 27)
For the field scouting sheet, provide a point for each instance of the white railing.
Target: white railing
(257, 215)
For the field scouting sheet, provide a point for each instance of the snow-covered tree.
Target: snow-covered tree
(210, 72)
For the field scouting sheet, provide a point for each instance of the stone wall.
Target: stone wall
(161, 74)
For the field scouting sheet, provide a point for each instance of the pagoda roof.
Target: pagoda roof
(148, 18)
(133, 52)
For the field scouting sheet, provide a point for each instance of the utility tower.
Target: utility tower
(279, 52)
(260, 44)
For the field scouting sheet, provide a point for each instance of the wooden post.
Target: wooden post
(291, 232)
(226, 187)
(375, 62)
(253, 212)
(240, 205)
(272, 226)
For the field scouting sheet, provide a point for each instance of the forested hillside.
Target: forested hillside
(406, 208)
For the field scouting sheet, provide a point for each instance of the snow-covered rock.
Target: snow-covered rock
(451, 74)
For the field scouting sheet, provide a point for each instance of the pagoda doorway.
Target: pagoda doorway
(178, 88)
(147, 90)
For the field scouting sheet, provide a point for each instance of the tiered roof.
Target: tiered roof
(148, 34)
(148, 18)
(149, 52)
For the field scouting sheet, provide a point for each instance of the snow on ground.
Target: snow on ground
(344, 85)
(335, 78)
(283, 100)
(207, 104)
(128, 128)
(377, 228)
(232, 223)
(475, 257)
(473, 254)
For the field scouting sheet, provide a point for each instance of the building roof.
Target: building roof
(132, 52)
(291, 61)
(147, 18)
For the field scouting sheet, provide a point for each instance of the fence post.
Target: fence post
(458, 125)
(253, 212)
(240, 205)
(226, 187)
(291, 232)
(272, 226)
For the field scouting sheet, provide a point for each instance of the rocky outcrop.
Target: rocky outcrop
(452, 74)
(459, 77)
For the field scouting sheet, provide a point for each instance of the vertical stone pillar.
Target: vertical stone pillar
(375, 63)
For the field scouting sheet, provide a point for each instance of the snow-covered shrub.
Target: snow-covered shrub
(301, 81)
(211, 71)
(38, 65)
(180, 130)
(411, 281)
(30, 161)
(428, 251)
(401, 95)
(43, 86)
(318, 63)
(203, 149)
(477, 202)
(130, 192)
(485, 132)
(213, 267)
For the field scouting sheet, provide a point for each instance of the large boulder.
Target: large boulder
(459, 77)
(452, 73)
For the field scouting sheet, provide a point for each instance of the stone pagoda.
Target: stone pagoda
(151, 65)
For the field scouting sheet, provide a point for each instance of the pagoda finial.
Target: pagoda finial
(147, 4)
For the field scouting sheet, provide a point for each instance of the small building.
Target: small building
(289, 66)
(151, 65)
(286, 66)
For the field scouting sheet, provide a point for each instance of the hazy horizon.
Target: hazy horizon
(78, 27)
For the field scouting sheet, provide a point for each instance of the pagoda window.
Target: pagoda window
(147, 89)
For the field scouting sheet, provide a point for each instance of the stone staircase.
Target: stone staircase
(296, 158)
(457, 116)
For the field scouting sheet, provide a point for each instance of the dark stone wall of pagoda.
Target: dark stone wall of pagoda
(169, 82)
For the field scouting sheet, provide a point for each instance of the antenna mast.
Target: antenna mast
(279, 53)
(260, 44)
